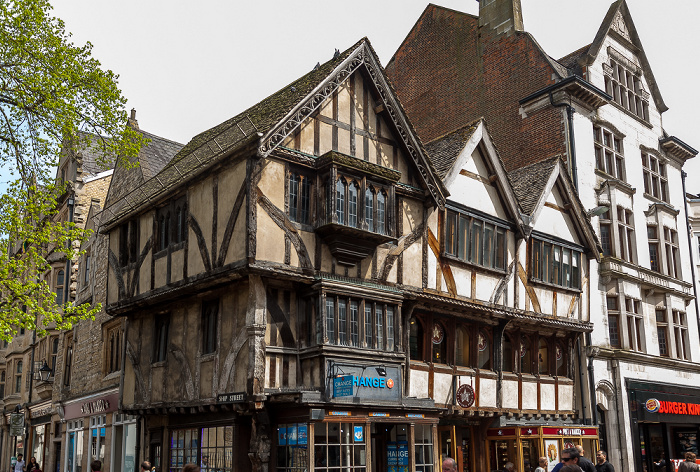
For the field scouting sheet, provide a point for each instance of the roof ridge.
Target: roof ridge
(459, 128)
(161, 137)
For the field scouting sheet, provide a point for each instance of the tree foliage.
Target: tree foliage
(50, 90)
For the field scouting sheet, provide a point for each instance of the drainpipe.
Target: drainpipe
(67, 277)
(572, 145)
(581, 378)
(690, 248)
(591, 382)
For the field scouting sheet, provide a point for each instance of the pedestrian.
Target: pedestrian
(602, 464)
(585, 464)
(688, 465)
(542, 465)
(32, 466)
(571, 468)
(191, 468)
(569, 456)
(146, 466)
(96, 465)
(509, 467)
(449, 465)
(19, 465)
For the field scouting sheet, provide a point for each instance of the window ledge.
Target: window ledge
(616, 183)
(555, 286)
(629, 113)
(654, 199)
(473, 265)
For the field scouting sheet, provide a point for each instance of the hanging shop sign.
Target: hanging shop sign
(465, 396)
(16, 424)
(343, 386)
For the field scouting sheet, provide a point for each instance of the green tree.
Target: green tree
(50, 89)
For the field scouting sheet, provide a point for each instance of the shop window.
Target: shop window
(560, 359)
(609, 156)
(625, 228)
(507, 354)
(462, 346)
(97, 438)
(543, 357)
(115, 335)
(680, 331)
(343, 325)
(653, 237)
(525, 355)
(68, 361)
(606, 233)
(2, 384)
(59, 286)
(339, 445)
(128, 243)
(184, 448)
(415, 339)
(439, 344)
(655, 179)
(484, 350)
(18, 377)
(662, 332)
(160, 344)
(210, 314)
(74, 446)
(39, 441)
(556, 264)
(124, 443)
(635, 324)
(216, 449)
(423, 447)
(475, 240)
(292, 447)
(613, 321)
(299, 197)
(673, 263)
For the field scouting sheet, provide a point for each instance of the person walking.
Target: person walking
(602, 464)
(585, 464)
(32, 466)
(688, 465)
(449, 465)
(19, 465)
(569, 456)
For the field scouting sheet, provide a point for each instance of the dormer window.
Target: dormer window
(555, 264)
(476, 240)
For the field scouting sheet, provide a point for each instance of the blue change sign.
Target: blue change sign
(342, 386)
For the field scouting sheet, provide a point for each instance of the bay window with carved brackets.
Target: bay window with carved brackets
(356, 201)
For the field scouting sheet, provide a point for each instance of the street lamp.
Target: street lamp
(45, 372)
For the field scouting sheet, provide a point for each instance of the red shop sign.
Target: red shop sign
(570, 431)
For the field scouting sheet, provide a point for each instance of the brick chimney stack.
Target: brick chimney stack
(500, 17)
(132, 119)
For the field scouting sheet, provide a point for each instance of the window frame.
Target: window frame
(672, 253)
(680, 334)
(634, 325)
(128, 242)
(655, 176)
(609, 152)
(171, 226)
(113, 348)
(300, 187)
(543, 272)
(458, 238)
(662, 326)
(160, 338)
(68, 361)
(626, 88)
(613, 310)
(209, 325)
(373, 330)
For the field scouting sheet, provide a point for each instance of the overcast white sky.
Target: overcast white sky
(187, 66)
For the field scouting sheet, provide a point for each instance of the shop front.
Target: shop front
(665, 424)
(524, 445)
(363, 424)
(40, 431)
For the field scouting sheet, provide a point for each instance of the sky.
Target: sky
(187, 66)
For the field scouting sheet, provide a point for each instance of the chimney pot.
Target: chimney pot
(133, 113)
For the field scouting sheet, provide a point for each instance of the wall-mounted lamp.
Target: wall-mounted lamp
(45, 372)
(381, 371)
(597, 211)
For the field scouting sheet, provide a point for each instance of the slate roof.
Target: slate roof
(152, 157)
(443, 151)
(570, 61)
(530, 181)
(93, 161)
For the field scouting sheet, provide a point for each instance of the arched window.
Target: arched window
(525, 356)
(483, 346)
(369, 209)
(340, 201)
(381, 213)
(543, 357)
(60, 282)
(560, 357)
(462, 345)
(507, 354)
(439, 344)
(352, 205)
(415, 339)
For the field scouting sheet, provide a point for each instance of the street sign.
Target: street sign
(236, 397)
(16, 424)
(342, 386)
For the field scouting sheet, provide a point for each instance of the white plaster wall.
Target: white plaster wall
(554, 222)
(529, 395)
(418, 385)
(547, 396)
(509, 391)
(566, 397)
(487, 393)
(442, 388)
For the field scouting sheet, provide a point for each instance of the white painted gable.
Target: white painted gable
(552, 220)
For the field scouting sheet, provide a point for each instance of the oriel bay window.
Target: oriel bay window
(360, 323)
(345, 204)
(475, 239)
(555, 263)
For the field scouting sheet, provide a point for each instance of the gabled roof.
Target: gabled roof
(455, 147)
(619, 9)
(92, 160)
(272, 119)
(533, 184)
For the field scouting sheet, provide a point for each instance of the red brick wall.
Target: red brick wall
(446, 77)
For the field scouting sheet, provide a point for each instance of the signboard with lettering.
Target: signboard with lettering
(92, 406)
(16, 424)
(236, 397)
(367, 383)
